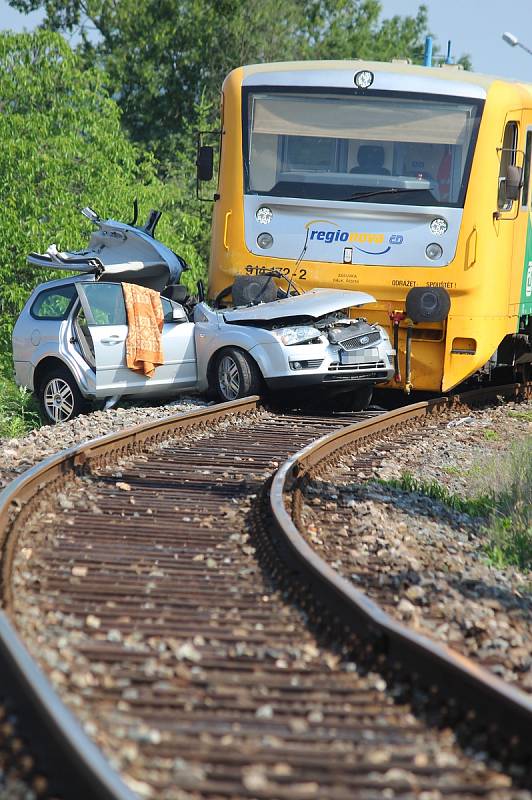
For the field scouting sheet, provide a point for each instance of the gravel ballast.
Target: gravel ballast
(172, 668)
(428, 559)
(19, 455)
(425, 563)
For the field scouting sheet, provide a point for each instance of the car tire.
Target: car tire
(59, 396)
(236, 375)
(358, 400)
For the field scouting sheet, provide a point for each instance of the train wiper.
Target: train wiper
(393, 190)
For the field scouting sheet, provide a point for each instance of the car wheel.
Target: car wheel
(236, 375)
(59, 397)
(352, 401)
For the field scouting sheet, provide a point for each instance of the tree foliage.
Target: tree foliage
(152, 68)
(162, 56)
(63, 147)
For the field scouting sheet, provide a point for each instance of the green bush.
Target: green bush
(18, 410)
(64, 147)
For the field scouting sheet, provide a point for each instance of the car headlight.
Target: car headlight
(299, 335)
(383, 333)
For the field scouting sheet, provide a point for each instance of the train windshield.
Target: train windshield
(398, 148)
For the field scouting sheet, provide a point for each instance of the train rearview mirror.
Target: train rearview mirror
(513, 182)
(205, 163)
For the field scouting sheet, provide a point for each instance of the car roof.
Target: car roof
(78, 278)
(120, 251)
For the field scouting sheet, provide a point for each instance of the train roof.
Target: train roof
(446, 79)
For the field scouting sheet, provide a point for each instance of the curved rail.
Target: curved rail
(58, 740)
(505, 709)
(61, 740)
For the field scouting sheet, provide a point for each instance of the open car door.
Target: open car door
(102, 321)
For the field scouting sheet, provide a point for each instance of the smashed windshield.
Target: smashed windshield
(393, 148)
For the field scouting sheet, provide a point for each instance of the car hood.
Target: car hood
(315, 303)
(118, 251)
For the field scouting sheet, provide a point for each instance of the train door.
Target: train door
(507, 220)
(521, 277)
(512, 214)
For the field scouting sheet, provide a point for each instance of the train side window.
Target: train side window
(508, 153)
(526, 174)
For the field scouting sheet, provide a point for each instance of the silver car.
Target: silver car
(69, 340)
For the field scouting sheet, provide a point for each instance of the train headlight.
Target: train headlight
(264, 215)
(438, 226)
(434, 251)
(364, 79)
(265, 240)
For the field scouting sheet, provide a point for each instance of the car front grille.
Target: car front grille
(355, 341)
(372, 370)
(335, 366)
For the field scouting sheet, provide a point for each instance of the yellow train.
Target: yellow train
(410, 183)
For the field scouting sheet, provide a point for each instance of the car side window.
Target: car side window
(54, 303)
(167, 309)
(106, 301)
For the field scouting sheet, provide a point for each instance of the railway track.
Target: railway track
(417, 558)
(181, 624)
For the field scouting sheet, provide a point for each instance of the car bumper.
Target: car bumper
(323, 364)
(24, 374)
(340, 383)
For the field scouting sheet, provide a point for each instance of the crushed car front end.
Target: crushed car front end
(337, 353)
(304, 341)
(287, 363)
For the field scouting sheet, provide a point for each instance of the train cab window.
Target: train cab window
(526, 166)
(508, 155)
(319, 145)
(314, 153)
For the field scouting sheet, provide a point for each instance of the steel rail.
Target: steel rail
(482, 694)
(59, 742)
(62, 743)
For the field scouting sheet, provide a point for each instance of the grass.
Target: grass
(510, 525)
(525, 416)
(475, 507)
(18, 410)
(502, 499)
(454, 470)
(490, 435)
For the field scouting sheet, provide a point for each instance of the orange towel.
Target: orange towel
(145, 319)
